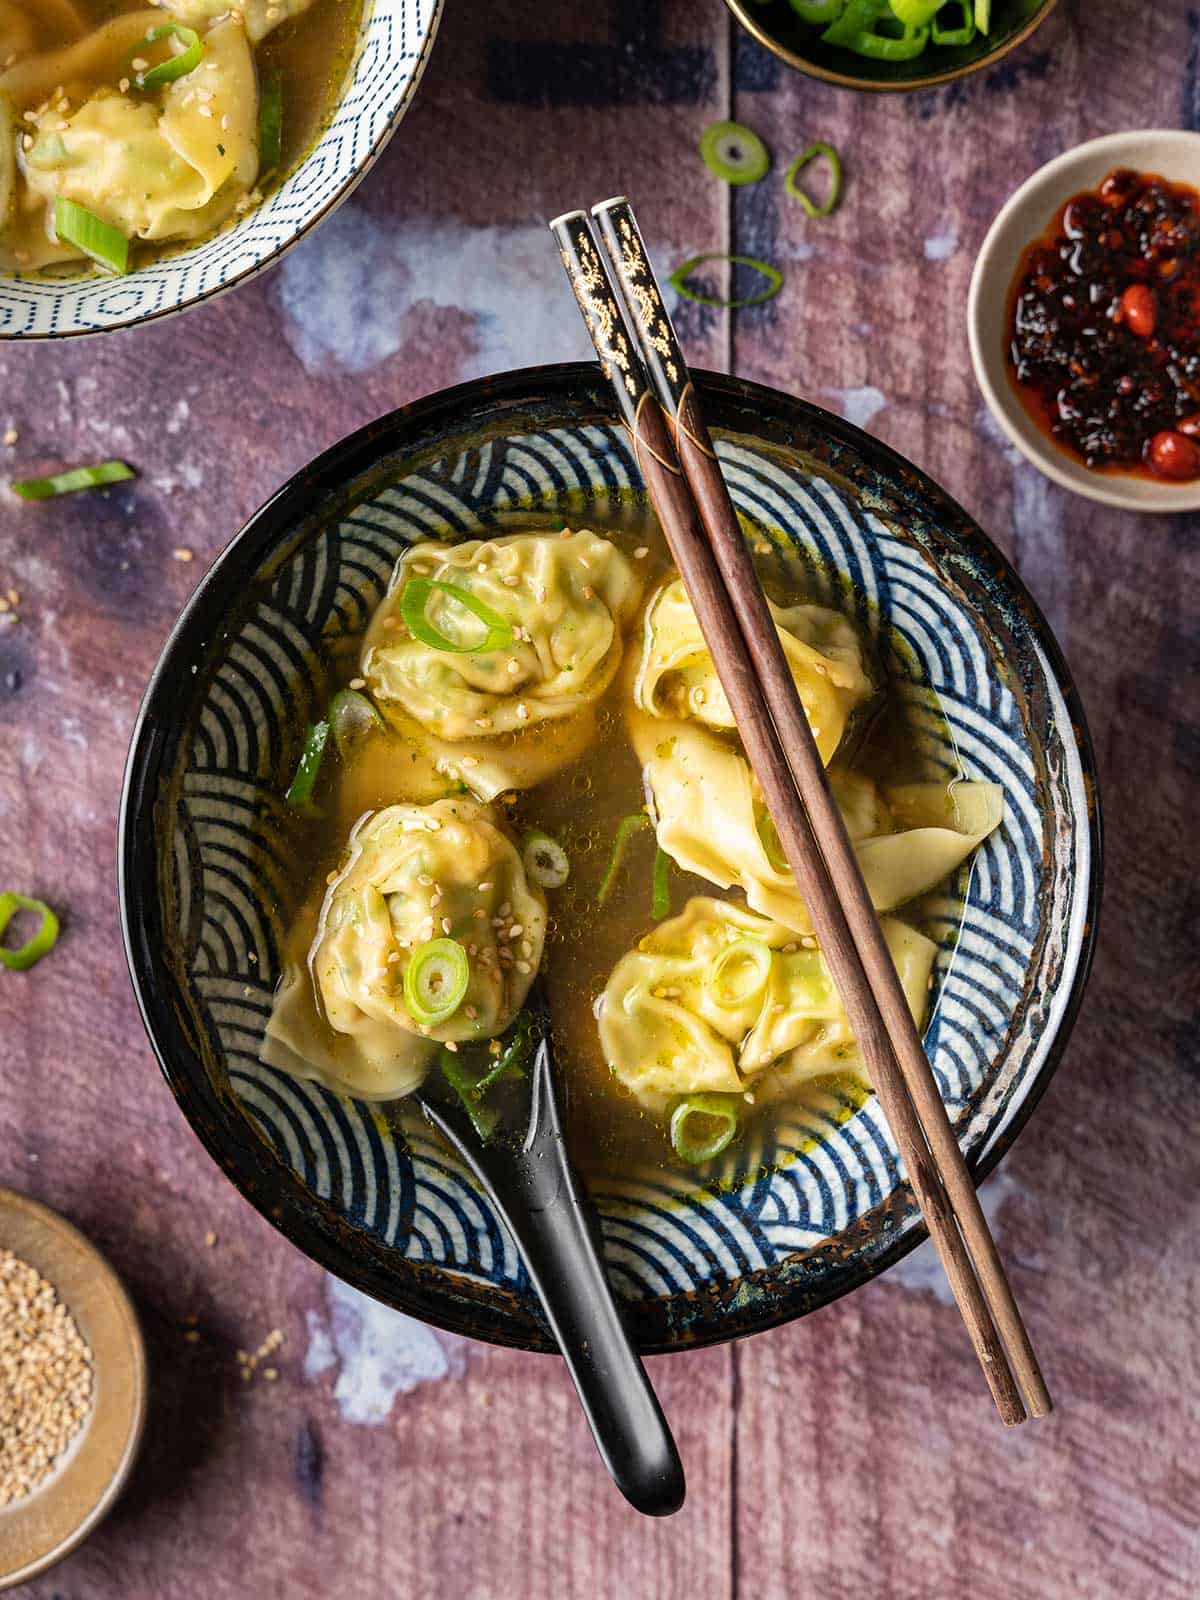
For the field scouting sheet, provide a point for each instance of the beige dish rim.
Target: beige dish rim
(1022, 217)
(109, 1322)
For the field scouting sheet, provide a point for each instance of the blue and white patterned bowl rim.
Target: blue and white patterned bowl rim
(1013, 928)
(395, 43)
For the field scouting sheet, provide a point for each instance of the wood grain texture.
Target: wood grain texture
(852, 1453)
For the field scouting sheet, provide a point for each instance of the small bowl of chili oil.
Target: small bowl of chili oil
(1084, 320)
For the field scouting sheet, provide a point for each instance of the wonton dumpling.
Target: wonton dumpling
(412, 874)
(174, 170)
(710, 820)
(720, 1000)
(16, 34)
(676, 677)
(258, 16)
(573, 598)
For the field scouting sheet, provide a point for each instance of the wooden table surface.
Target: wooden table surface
(854, 1453)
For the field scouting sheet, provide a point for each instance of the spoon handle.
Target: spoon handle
(536, 1190)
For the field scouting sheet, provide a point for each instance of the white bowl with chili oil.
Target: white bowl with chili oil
(1111, 369)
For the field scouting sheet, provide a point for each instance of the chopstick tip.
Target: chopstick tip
(607, 205)
(567, 216)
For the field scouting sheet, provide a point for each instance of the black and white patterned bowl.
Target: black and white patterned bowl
(396, 38)
(209, 854)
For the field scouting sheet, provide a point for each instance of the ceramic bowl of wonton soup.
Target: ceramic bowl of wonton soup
(153, 154)
(441, 717)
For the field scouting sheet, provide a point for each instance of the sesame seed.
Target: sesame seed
(523, 966)
(452, 1047)
(642, 551)
(45, 1378)
(358, 683)
(182, 553)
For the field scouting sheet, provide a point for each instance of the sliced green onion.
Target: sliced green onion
(436, 981)
(511, 1061)
(816, 208)
(768, 837)
(739, 975)
(464, 1080)
(626, 829)
(983, 15)
(660, 891)
(733, 153)
(39, 944)
(48, 152)
(964, 33)
(864, 28)
(819, 11)
(416, 596)
(678, 280)
(545, 860)
(270, 120)
(105, 244)
(74, 480)
(916, 13)
(300, 794)
(703, 1125)
(176, 66)
(352, 715)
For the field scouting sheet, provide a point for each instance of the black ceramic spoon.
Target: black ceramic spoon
(532, 1182)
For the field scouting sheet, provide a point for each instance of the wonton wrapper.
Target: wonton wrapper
(664, 1035)
(258, 16)
(573, 598)
(167, 168)
(408, 763)
(376, 912)
(708, 812)
(16, 34)
(676, 677)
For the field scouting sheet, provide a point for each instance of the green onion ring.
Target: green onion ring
(773, 276)
(351, 716)
(416, 596)
(436, 981)
(734, 153)
(752, 951)
(300, 794)
(694, 1144)
(626, 829)
(74, 480)
(177, 66)
(39, 944)
(106, 245)
(660, 895)
(546, 862)
(814, 208)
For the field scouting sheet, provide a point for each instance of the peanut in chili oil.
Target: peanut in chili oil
(1104, 327)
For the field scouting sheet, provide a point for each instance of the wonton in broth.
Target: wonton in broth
(126, 129)
(533, 736)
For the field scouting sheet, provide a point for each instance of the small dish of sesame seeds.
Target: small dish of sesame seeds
(72, 1388)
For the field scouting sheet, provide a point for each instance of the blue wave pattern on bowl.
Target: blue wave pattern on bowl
(395, 40)
(830, 1164)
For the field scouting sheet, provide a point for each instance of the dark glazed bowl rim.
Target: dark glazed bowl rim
(849, 80)
(487, 1312)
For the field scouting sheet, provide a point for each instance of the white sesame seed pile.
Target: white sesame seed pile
(45, 1378)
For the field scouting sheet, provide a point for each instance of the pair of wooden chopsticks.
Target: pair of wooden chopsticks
(657, 401)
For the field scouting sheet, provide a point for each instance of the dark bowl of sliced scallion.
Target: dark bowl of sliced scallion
(890, 44)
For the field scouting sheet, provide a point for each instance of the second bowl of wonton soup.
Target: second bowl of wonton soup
(442, 718)
(153, 154)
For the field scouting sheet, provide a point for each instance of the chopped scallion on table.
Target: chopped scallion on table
(39, 944)
(74, 480)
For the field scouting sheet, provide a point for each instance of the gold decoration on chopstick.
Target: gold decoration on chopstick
(599, 310)
(643, 291)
